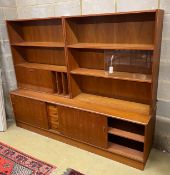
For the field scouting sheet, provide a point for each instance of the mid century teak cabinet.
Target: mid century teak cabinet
(63, 90)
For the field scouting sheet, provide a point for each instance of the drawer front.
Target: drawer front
(52, 111)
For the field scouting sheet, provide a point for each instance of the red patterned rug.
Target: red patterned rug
(13, 162)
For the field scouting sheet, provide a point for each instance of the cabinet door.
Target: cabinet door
(84, 126)
(30, 111)
(35, 79)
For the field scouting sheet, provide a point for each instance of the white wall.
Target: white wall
(46, 8)
(8, 10)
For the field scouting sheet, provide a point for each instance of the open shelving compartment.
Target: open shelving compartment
(36, 32)
(39, 54)
(37, 78)
(88, 38)
(119, 31)
(126, 138)
(126, 68)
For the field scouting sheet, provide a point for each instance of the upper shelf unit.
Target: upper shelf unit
(41, 33)
(133, 31)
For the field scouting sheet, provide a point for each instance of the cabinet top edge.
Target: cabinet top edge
(87, 15)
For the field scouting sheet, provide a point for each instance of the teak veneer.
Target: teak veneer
(63, 90)
(39, 44)
(118, 46)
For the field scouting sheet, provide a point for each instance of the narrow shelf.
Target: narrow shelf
(120, 109)
(113, 46)
(116, 75)
(39, 44)
(43, 67)
(125, 151)
(126, 134)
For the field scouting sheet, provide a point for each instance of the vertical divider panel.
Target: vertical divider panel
(65, 35)
(64, 83)
(59, 82)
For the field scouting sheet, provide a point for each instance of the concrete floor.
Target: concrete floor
(65, 156)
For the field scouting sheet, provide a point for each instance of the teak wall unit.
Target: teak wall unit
(64, 93)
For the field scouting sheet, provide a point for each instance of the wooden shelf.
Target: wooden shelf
(126, 134)
(125, 151)
(117, 75)
(120, 109)
(44, 67)
(39, 44)
(113, 46)
(124, 110)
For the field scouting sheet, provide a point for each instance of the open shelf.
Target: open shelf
(43, 67)
(39, 55)
(125, 31)
(130, 111)
(116, 75)
(139, 115)
(125, 151)
(39, 44)
(113, 46)
(126, 134)
(113, 88)
(40, 32)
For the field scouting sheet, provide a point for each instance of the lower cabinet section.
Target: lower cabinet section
(127, 141)
(84, 126)
(30, 111)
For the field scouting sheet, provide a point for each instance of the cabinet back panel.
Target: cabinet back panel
(47, 31)
(87, 58)
(132, 91)
(126, 126)
(37, 31)
(53, 56)
(138, 28)
(35, 79)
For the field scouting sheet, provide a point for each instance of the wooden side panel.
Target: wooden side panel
(30, 111)
(65, 83)
(83, 126)
(59, 83)
(35, 79)
(149, 134)
(156, 56)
